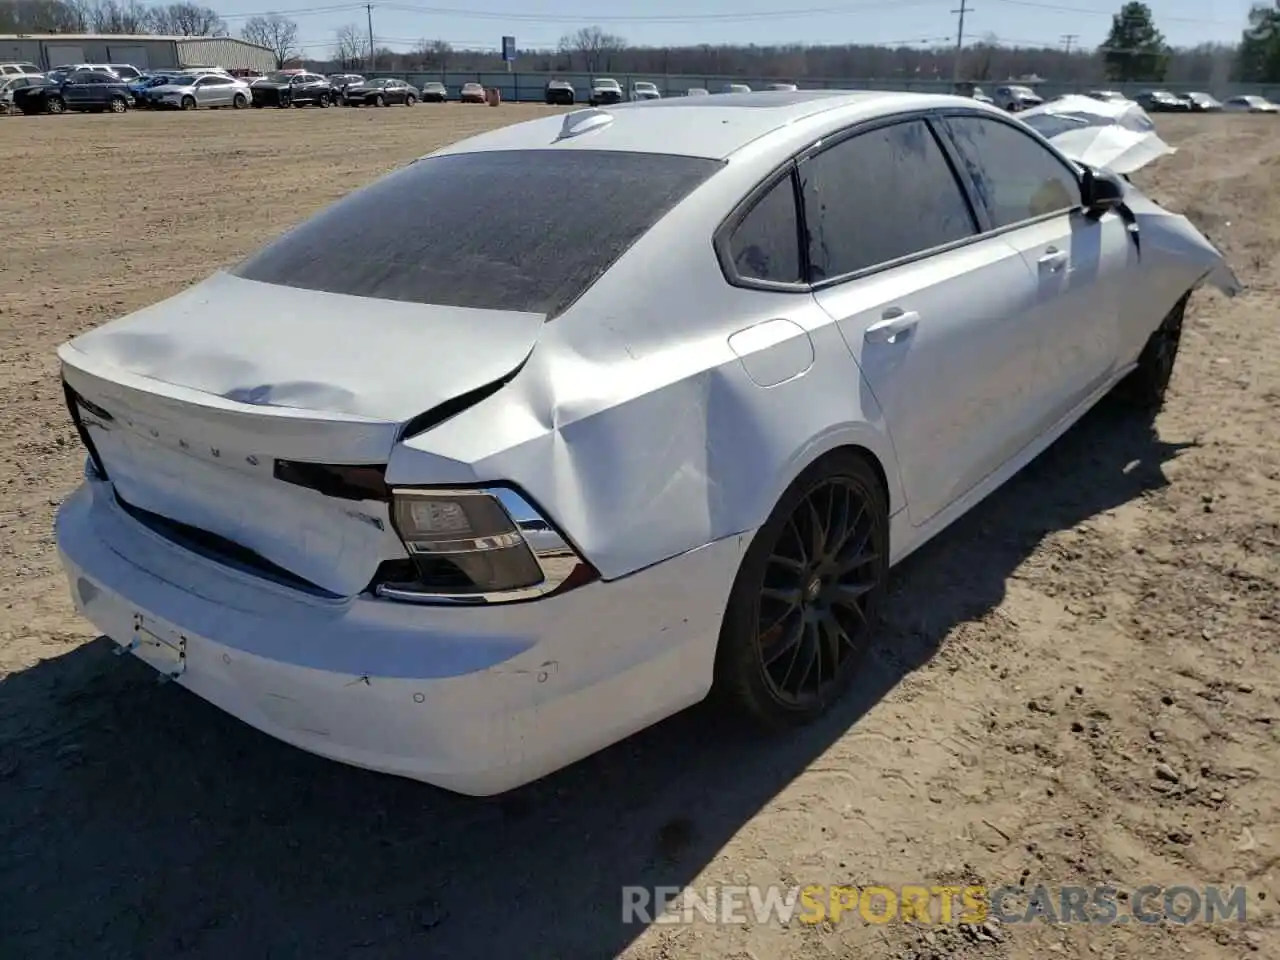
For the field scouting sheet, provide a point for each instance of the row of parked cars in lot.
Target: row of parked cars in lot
(120, 87)
(1016, 97)
(606, 90)
(116, 87)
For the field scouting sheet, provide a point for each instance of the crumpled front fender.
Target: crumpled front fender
(1174, 251)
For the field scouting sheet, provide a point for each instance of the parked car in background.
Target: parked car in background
(1106, 96)
(379, 92)
(1162, 101)
(967, 88)
(604, 91)
(559, 93)
(782, 87)
(697, 92)
(274, 510)
(247, 74)
(433, 91)
(1015, 97)
(472, 93)
(189, 91)
(338, 83)
(1204, 102)
(14, 82)
(735, 88)
(1250, 104)
(200, 71)
(645, 90)
(122, 71)
(20, 68)
(143, 85)
(276, 76)
(81, 91)
(288, 89)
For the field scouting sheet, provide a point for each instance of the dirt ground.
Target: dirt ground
(1077, 684)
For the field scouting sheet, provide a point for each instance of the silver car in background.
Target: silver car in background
(205, 90)
(13, 82)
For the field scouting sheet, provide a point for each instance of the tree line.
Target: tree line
(109, 16)
(1134, 50)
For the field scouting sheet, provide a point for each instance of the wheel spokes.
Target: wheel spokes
(789, 641)
(819, 579)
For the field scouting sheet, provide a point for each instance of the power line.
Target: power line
(525, 16)
(748, 15)
(1093, 11)
(955, 64)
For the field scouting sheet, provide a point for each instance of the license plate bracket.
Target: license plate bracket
(163, 648)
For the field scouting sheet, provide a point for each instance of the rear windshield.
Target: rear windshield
(526, 230)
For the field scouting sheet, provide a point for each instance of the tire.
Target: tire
(239, 102)
(379, 101)
(410, 100)
(323, 101)
(55, 105)
(1146, 385)
(118, 105)
(802, 610)
(188, 103)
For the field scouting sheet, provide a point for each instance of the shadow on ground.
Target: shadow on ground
(138, 821)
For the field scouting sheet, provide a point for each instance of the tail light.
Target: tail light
(488, 545)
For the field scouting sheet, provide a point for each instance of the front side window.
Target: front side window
(766, 244)
(880, 196)
(1015, 177)
(522, 230)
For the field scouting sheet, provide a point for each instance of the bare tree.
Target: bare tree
(41, 16)
(278, 34)
(114, 16)
(348, 46)
(593, 46)
(187, 20)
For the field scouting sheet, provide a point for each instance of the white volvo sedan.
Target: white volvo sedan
(612, 410)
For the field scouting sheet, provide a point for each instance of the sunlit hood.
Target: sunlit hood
(268, 345)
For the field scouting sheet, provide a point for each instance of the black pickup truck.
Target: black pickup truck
(82, 90)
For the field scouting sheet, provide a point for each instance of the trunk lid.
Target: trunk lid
(191, 403)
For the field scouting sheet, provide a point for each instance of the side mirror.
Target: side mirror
(1100, 191)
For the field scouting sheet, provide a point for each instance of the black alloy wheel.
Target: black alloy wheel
(1145, 388)
(806, 601)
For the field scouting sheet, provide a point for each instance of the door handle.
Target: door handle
(1053, 260)
(892, 323)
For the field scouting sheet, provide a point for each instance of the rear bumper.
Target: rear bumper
(475, 700)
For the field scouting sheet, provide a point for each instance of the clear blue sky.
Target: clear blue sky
(540, 23)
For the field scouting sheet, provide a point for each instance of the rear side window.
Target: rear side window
(1013, 174)
(766, 244)
(524, 230)
(880, 196)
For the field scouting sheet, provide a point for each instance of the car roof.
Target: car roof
(714, 126)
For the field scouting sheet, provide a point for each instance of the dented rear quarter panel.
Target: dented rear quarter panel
(636, 426)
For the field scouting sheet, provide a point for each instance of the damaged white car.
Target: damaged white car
(1118, 135)
(613, 409)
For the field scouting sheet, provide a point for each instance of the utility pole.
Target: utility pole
(955, 66)
(1069, 40)
(369, 10)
